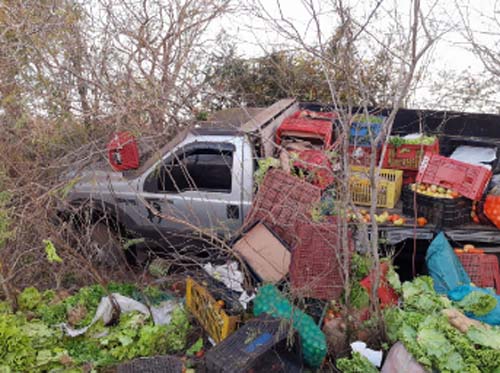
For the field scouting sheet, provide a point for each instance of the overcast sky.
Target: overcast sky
(450, 53)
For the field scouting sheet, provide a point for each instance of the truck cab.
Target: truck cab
(201, 181)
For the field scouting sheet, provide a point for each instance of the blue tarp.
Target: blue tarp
(444, 266)
(450, 278)
(460, 292)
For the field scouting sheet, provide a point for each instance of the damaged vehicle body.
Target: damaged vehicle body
(203, 180)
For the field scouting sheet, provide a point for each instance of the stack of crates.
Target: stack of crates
(482, 269)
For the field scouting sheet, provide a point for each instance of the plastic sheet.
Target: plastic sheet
(228, 274)
(475, 155)
(459, 293)
(160, 314)
(373, 356)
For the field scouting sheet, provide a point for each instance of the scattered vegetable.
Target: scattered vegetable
(32, 341)
(434, 191)
(422, 140)
(427, 334)
(421, 222)
(356, 364)
(478, 303)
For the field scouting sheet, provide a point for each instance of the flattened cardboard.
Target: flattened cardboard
(264, 253)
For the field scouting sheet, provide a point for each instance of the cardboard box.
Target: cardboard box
(264, 253)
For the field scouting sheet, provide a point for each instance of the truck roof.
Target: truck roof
(199, 129)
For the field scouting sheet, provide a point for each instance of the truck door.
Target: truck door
(195, 187)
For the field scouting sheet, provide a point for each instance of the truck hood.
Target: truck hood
(99, 183)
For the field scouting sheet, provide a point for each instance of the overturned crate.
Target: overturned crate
(282, 201)
(258, 346)
(318, 260)
(219, 317)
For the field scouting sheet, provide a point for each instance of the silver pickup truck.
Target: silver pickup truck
(202, 180)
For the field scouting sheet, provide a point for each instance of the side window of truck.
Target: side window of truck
(204, 167)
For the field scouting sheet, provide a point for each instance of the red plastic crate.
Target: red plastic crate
(467, 179)
(317, 163)
(360, 155)
(408, 156)
(316, 269)
(281, 201)
(482, 269)
(123, 153)
(409, 177)
(301, 123)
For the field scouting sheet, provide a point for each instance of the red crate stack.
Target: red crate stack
(482, 269)
(467, 179)
(316, 269)
(301, 123)
(408, 156)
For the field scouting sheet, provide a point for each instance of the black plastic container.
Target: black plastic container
(441, 212)
(260, 345)
(156, 364)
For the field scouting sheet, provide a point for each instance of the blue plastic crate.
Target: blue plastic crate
(360, 131)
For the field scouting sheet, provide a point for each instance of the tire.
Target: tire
(104, 247)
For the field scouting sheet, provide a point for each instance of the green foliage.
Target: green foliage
(202, 115)
(38, 344)
(393, 279)
(360, 266)
(196, 347)
(51, 252)
(356, 364)
(478, 303)
(16, 351)
(29, 299)
(424, 140)
(432, 340)
(485, 337)
(419, 295)
(264, 166)
(359, 296)
(362, 118)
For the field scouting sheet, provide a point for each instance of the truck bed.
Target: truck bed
(487, 235)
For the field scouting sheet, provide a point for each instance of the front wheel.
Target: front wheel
(105, 248)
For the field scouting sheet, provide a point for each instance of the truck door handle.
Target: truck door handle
(232, 212)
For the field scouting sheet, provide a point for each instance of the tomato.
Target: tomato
(200, 353)
(421, 221)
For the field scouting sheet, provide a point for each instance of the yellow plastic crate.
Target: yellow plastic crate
(202, 305)
(389, 188)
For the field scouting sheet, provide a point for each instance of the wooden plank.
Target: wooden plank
(267, 115)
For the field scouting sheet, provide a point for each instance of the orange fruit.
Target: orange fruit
(421, 221)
